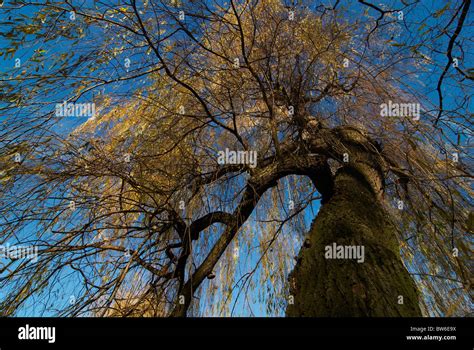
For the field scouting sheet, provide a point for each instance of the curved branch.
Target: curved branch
(263, 179)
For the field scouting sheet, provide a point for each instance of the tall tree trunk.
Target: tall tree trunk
(378, 286)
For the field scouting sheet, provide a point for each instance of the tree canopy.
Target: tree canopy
(132, 209)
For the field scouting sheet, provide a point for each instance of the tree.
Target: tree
(214, 129)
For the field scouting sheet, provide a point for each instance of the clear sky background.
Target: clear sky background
(61, 293)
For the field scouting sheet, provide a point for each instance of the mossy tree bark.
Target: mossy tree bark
(379, 286)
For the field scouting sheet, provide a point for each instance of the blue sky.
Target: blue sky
(428, 80)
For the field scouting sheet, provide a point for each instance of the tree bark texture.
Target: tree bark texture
(379, 286)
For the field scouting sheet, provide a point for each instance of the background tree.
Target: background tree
(132, 211)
